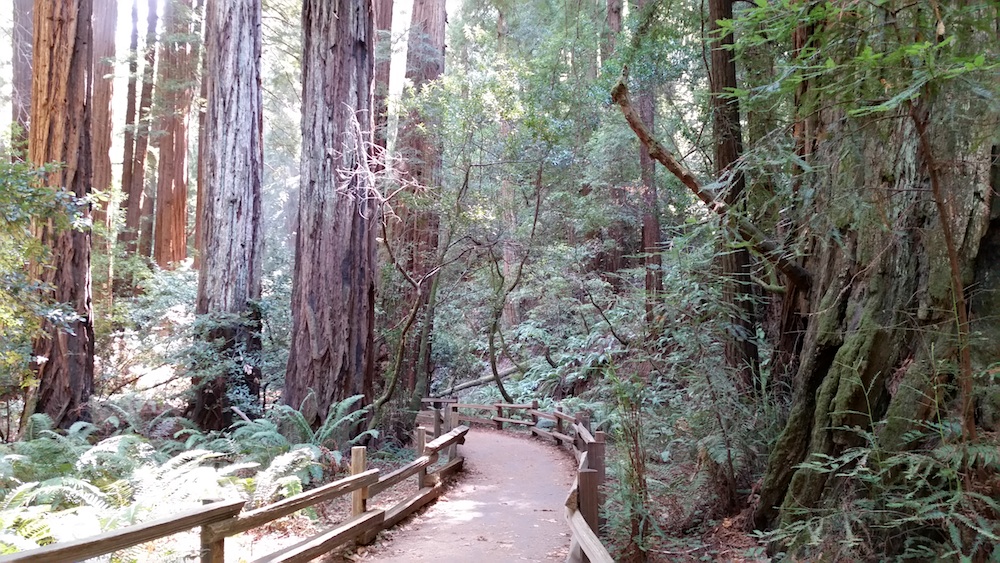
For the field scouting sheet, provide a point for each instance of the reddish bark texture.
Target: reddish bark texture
(137, 209)
(178, 59)
(60, 132)
(105, 25)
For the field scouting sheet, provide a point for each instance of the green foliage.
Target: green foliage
(920, 504)
(26, 201)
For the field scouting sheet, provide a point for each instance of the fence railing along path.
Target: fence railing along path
(221, 519)
(585, 498)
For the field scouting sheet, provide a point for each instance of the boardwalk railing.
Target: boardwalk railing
(585, 498)
(222, 519)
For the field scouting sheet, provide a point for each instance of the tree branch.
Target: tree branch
(749, 232)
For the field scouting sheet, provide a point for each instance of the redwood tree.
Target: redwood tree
(420, 148)
(60, 133)
(134, 167)
(178, 61)
(741, 343)
(230, 273)
(333, 288)
(105, 24)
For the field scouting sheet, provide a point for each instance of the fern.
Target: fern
(276, 476)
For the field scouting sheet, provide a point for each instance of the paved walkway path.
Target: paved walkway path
(506, 506)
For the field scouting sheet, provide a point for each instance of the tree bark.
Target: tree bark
(881, 309)
(333, 287)
(421, 150)
(60, 132)
(128, 159)
(650, 206)
(229, 280)
(136, 206)
(176, 86)
(611, 29)
(383, 56)
(741, 344)
(21, 83)
(105, 27)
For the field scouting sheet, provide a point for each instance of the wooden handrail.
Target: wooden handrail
(124, 538)
(401, 474)
(261, 516)
(456, 436)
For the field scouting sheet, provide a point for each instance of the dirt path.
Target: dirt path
(506, 506)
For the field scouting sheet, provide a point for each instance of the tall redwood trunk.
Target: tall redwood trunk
(333, 288)
(128, 159)
(21, 84)
(176, 84)
(135, 190)
(230, 275)
(105, 26)
(60, 132)
(611, 29)
(421, 150)
(741, 343)
(383, 56)
(199, 243)
(650, 206)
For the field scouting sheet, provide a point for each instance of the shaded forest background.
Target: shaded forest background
(758, 241)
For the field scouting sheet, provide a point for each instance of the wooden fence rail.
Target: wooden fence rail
(585, 497)
(222, 519)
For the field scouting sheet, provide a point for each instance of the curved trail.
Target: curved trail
(507, 505)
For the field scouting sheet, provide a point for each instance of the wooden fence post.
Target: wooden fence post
(534, 416)
(359, 498)
(212, 551)
(499, 415)
(453, 424)
(559, 425)
(419, 440)
(437, 420)
(596, 454)
(588, 497)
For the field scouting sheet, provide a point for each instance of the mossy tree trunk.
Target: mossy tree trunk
(881, 341)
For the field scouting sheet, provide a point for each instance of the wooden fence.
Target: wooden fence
(585, 497)
(222, 519)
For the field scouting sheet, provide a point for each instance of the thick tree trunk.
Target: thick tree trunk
(741, 343)
(229, 279)
(20, 96)
(333, 294)
(60, 132)
(136, 206)
(881, 311)
(176, 86)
